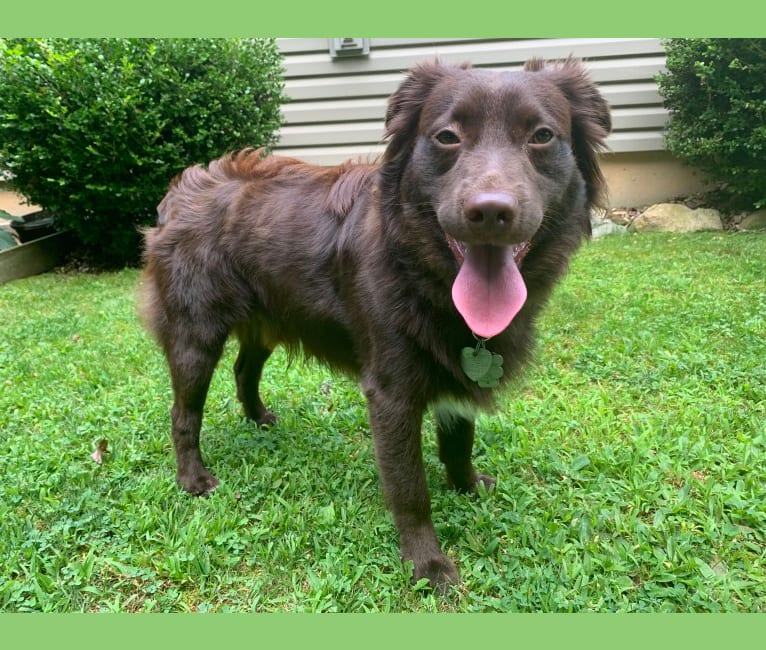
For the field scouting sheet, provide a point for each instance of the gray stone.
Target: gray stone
(601, 224)
(754, 221)
(622, 217)
(606, 227)
(676, 217)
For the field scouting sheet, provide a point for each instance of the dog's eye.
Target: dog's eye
(447, 137)
(541, 136)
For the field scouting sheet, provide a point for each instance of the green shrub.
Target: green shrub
(94, 129)
(715, 89)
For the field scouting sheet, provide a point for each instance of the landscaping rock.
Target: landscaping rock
(606, 227)
(754, 221)
(676, 217)
(622, 217)
(601, 224)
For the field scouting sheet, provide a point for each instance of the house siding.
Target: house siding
(337, 106)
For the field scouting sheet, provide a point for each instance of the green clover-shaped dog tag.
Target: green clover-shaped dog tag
(475, 362)
(481, 365)
(491, 378)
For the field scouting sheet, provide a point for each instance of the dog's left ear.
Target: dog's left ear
(591, 120)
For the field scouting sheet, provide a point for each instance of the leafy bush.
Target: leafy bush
(715, 89)
(94, 129)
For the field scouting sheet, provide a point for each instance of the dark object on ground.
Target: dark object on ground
(34, 226)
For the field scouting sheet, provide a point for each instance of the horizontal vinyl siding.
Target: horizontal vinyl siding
(305, 135)
(337, 105)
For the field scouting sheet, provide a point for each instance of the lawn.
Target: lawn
(631, 458)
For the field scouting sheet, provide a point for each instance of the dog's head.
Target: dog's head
(474, 131)
(493, 154)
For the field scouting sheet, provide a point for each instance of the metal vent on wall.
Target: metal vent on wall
(342, 47)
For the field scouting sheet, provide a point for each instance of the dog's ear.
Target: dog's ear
(403, 112)
(591, 121)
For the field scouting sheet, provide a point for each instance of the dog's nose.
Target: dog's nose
(490, 208)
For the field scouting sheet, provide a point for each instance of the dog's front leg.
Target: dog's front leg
(396, 428)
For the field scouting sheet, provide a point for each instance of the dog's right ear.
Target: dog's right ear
(403, 112)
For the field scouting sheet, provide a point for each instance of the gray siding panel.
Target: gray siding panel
(296, 134)
(357, 110)
(337, 106)
(335, 87)
(493, 53)
(304, 45)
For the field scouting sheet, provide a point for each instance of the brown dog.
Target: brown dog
(404, 274)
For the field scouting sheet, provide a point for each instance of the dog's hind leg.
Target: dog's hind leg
(455, 433)
(191, 365)
(253, 353)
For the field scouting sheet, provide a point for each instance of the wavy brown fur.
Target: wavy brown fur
(351, 265)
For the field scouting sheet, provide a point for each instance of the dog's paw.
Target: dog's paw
(483, 482)
(199, 483)
(266, 419)
(472, 485)
(440, 573)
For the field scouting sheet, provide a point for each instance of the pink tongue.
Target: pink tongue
(489, 290)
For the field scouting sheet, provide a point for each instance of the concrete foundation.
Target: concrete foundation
(638, 179)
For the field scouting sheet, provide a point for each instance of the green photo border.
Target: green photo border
(373, 631)
(404, 18)
(392, 18)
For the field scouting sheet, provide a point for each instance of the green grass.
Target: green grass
(631, 458)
